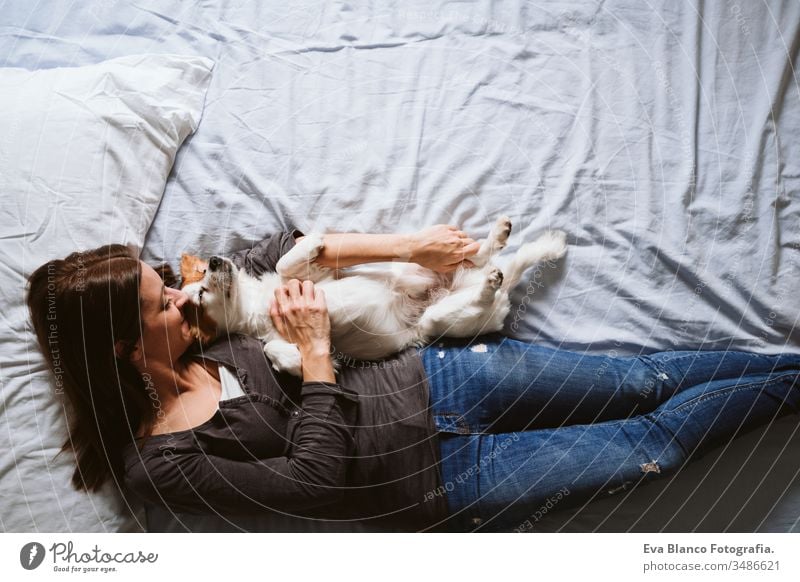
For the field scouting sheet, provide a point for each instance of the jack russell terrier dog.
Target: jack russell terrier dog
(373, 315)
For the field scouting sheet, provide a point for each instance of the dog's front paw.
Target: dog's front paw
(285, 357)
(311, 245)
(494, 243)
(501, 231)
(299, 263)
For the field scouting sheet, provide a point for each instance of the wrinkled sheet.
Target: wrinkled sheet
(661, 137)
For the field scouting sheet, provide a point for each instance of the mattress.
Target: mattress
(662, 138)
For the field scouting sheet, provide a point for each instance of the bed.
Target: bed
(662, 138)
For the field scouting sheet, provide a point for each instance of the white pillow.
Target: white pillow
(84, 157)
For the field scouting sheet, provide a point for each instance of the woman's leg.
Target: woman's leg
(497, 481)
(496, 384)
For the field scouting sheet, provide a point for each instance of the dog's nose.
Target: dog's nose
(214, 263)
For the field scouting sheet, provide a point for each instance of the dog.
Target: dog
(373, 315)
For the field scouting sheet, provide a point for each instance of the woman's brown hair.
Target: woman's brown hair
(80, 306)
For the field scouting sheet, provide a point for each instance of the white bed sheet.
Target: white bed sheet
(661, 137)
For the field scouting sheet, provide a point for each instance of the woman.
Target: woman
(461, 435)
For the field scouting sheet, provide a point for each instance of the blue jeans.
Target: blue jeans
(525, 429)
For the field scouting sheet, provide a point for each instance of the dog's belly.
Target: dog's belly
(369, 321)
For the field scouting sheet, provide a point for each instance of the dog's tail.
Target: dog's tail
(551, 246)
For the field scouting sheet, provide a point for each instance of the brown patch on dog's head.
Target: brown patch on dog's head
(193, 269)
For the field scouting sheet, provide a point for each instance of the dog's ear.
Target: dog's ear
(166, 273)
(193, 269)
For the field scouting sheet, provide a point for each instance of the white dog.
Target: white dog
(374, 315)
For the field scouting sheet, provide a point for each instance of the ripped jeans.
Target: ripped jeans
(523, 427)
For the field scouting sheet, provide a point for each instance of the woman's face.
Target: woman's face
(165, 332)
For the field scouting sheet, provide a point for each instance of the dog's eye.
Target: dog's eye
(200, 294)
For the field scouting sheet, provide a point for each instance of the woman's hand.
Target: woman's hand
(300, 314)
(442, 248)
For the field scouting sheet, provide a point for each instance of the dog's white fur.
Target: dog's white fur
(374, 315)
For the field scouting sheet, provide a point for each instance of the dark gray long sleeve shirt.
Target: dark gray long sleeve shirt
(364, 447)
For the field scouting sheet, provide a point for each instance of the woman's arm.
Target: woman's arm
(441, 248)
(313, 473)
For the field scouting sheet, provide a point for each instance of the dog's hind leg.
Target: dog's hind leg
(551, 246)
(488, 292)
(470, 311)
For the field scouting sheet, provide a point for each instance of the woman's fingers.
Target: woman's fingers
(295, 293)
(278, 296)
(320, 299)
(277, 318)
(308, 291)
(280, 301)
(463, 237)
(294, 289)
(471, 248)
(281, 297)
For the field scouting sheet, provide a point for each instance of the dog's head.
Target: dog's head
(211, 287)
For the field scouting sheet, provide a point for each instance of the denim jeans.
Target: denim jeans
(525, 429)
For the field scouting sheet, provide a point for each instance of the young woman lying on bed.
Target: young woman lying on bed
(459, 435)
